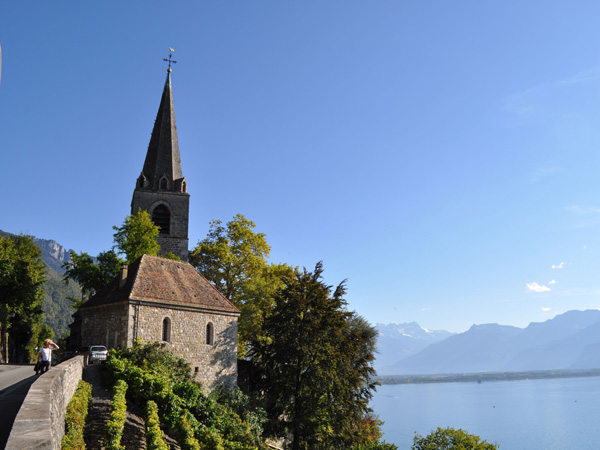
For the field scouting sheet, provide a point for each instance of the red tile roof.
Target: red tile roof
(160, 280)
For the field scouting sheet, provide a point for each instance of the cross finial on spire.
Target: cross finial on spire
(170, 60)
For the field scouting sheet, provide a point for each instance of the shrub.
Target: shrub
(197, 419)
(114, 428)
(75, 417)
(185, 432)
(154, 435)
(450, 439)
(155, 357)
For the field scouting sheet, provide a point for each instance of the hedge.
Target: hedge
(76, 415)
(114, 428)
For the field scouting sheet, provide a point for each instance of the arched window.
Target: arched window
(184, 187)
(162, 219)
(210, 334)
(166, 334)
(163, 184)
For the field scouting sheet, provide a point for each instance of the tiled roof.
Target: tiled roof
(160, 280)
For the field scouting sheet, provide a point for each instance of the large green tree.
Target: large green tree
(234, 258)
(22, 274)
(314, 362)
(231, 256)
(137, 236)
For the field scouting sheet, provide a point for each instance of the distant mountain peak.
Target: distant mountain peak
(569, 340)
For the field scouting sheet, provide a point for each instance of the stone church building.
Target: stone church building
(157, 299)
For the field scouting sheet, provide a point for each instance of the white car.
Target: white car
(97, 353)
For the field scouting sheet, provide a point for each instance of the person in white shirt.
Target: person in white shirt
(44, 357)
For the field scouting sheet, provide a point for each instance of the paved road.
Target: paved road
(15, 381)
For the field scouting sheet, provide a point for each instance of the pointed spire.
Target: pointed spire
(162, 159)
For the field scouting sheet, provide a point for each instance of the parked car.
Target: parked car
(97, 353)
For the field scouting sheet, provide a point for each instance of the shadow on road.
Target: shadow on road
(11, 399)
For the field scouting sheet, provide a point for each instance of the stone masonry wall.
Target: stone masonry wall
(105, 325)
(211, 364)
(178, 205)
(40, 423)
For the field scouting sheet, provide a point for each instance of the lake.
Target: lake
(528, 414)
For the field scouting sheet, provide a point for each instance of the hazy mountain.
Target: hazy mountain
(56, 304)
(568, 341)
(397, 341)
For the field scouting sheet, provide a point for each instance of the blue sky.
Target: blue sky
(441, 156)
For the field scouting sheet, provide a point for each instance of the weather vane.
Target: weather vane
(170, 60)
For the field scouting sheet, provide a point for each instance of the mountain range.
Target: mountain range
(396, 341)
(568, 341)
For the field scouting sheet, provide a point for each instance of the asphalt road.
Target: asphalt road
(15, 381)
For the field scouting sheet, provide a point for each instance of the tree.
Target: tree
(258, 302)
(92, 276)
(137, 236)
(233, 257)
(450, 439)
(314, 364)
(22, 274)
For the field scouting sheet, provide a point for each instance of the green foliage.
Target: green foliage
(113, 432)
(248, 407)
(315, 363)
(185, 432)
(181, 402)
(170, 255)
(92, 276)
(22, 275)
(258, 303)
(137, 236)
(155, 358)
(154, 435)
(75, 417)
(233, 257)
(230, 256)
(374, 446)
(450, 439)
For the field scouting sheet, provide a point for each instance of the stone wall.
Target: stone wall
(212, 364)
(40, 424)
(105, 325)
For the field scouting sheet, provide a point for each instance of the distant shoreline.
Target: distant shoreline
(486, 377)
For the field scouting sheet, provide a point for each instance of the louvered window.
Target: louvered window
(162, 219)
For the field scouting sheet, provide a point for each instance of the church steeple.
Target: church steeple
(163, 163)
(161, 188)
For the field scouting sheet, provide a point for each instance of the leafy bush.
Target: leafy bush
(75, 417)
(183, 405)
(154, 435)
(375, 446)
(185, 432)
(156, 358)
(249, 408)
(450, 439)
(114, 428)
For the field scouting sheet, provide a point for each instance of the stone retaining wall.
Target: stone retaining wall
(40, 424)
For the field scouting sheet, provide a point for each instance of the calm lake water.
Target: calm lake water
(527, 414)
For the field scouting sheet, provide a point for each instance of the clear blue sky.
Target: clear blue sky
(442, 156)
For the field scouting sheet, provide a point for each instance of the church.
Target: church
(161, 300)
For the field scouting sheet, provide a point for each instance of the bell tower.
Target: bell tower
(161, 188)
